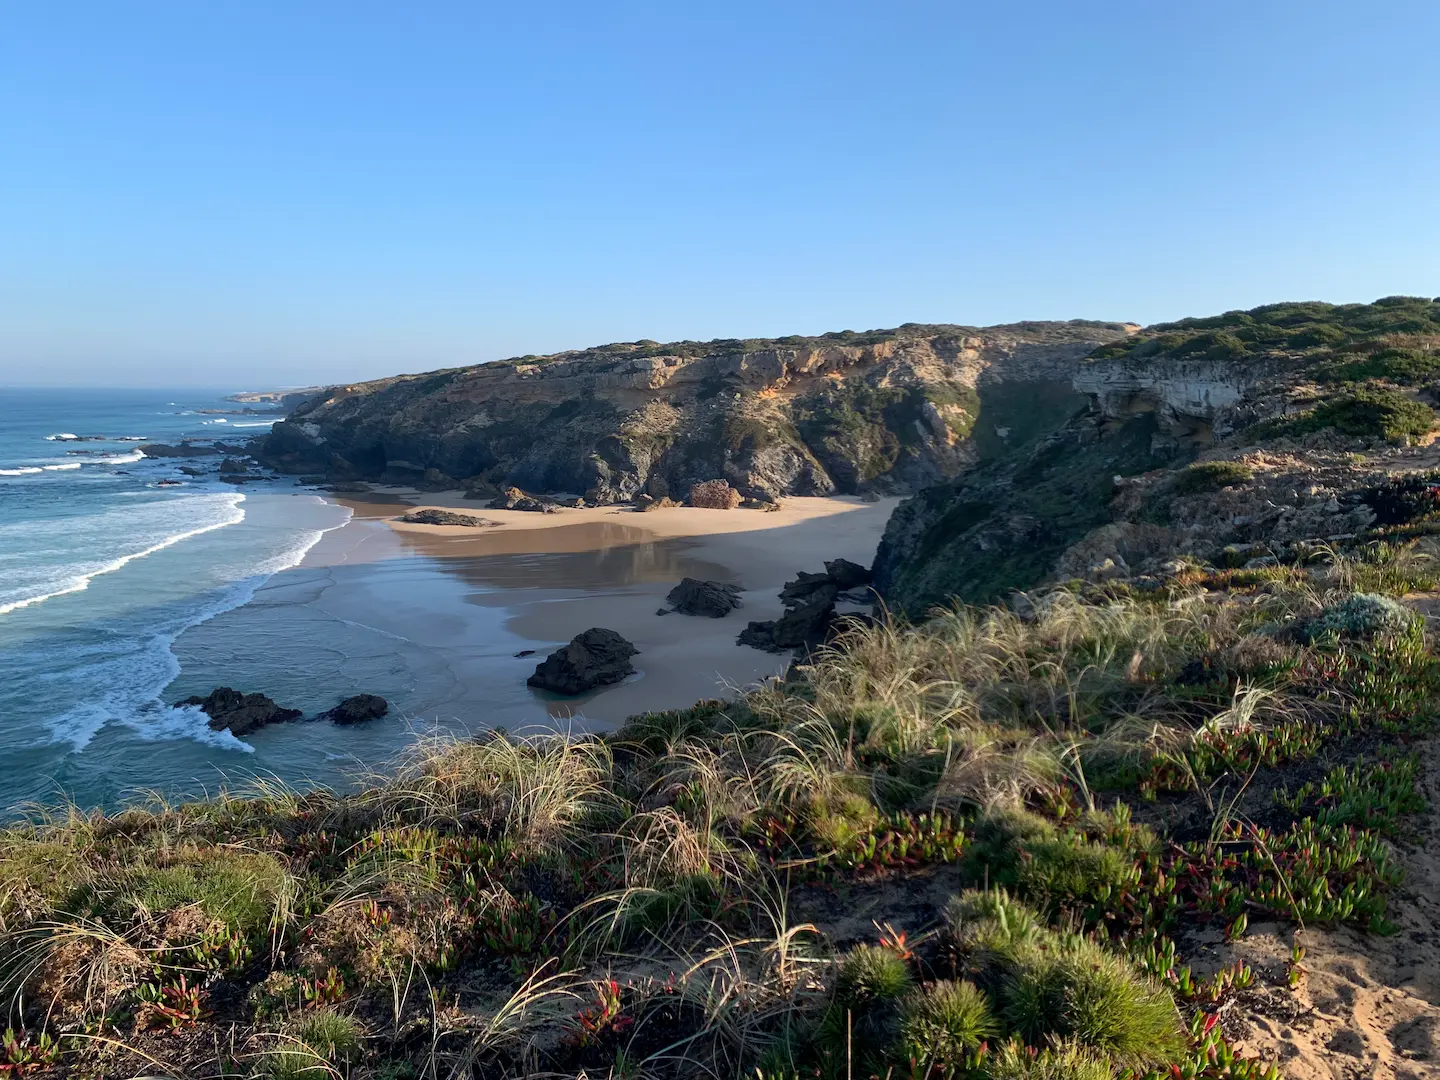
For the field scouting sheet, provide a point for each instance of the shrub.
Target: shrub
(1368, 411)
(1205, 476)
(943, 1022)
(1359, 615)
(1408, 367)
(1403, 499)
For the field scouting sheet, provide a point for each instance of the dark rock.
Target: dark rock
(595, 658)
(808, 588)
(804, 623)
(515, 499)
(800, 627)
(481, 490)
(357, 709)
(525, 652)
(240, 713)
(313, 481)
(446, 517)
(714, 599)
(190, 470)
(170, 483)
(662, 611)
(759, 635)
(184, 449)
(846, 574)
(232, 465)
(348, 487)
(863, 595)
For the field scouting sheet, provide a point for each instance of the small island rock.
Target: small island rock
(357, 709)
(714, 599)
(595, 658)
(240, 713)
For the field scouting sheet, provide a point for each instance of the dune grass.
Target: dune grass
(660, 901)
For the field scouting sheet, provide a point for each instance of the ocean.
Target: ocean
(120, 595)
(102, 569)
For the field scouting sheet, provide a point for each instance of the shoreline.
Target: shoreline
(548, 577)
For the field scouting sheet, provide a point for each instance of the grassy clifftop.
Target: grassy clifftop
(1288, 388)
(984, 847)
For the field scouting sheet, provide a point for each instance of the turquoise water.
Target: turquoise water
(102, 569)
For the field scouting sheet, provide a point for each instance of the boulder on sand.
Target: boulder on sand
(714, 495)
(233, 465)
(446, 517)
(515, 499)
(240, 713)
(357, 709)
(714, 599)
(595, 658)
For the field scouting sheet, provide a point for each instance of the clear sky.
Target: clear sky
(285, 191)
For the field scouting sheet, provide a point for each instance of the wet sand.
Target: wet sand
(542, 578)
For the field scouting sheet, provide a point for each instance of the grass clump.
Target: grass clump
(1052, 986)
(1206, 476)
(312, 1048)
(944, 1024)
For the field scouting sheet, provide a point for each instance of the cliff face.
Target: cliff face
(886, 412)
(1294, 412)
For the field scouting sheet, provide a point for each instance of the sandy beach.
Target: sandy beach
(542, 578)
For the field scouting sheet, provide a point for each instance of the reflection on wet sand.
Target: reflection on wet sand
(586, 555)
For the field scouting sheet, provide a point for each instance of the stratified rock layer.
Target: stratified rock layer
(884, 411)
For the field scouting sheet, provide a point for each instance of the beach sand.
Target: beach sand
(547, 577)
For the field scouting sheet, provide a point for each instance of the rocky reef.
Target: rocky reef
(884, 411)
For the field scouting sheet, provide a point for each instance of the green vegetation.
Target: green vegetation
(1003, 526)
(1373, 411)
(860, 431)
(1203, 476)
(1317, 332)
(676, 899)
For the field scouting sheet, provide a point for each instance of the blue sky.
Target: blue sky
(266, 192)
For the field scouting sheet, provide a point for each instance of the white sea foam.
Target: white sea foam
(118, 459)
(21, 472)
(258, 423)
(77, 577)
(63, 436)
(61, 468)
(143, 711)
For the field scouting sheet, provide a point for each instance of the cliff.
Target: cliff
(1237, 437)
(885, 411)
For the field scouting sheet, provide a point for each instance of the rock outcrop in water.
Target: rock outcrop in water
(883, 411)
(356, 710)
(240, 713)
(597, 657)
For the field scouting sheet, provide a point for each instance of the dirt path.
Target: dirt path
(1368, 1006)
